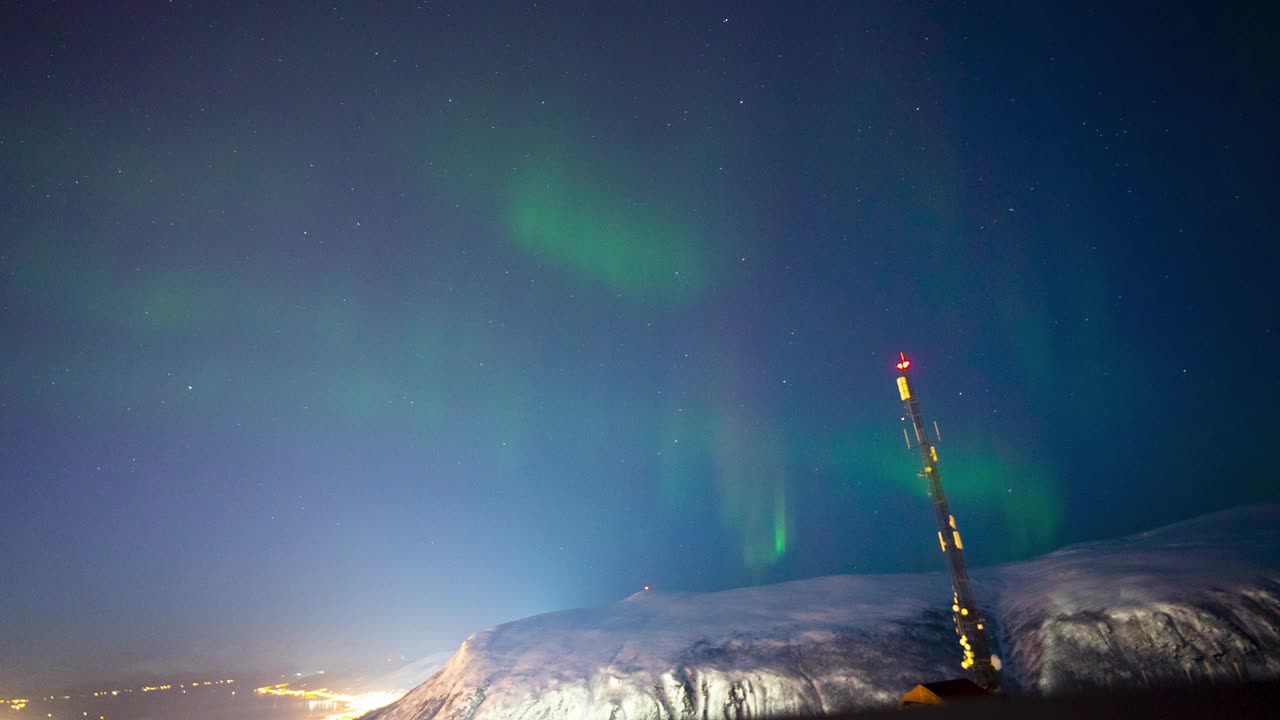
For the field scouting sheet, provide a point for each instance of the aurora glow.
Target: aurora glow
(490, 311)
(594, 233)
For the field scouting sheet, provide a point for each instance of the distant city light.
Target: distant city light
(348, 707)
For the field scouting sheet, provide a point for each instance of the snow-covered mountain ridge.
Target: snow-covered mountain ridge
(1188, 603)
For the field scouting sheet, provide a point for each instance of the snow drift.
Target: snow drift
(1189, 603)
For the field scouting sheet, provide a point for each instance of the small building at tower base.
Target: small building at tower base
(945, 691)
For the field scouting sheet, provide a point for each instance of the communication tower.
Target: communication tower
(978, 660)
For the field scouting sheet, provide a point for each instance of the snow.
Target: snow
(411, 674)
(1184, 604)
(1180, 604)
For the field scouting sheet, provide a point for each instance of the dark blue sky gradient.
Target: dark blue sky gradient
(338, 332)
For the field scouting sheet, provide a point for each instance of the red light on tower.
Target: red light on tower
(904, 363)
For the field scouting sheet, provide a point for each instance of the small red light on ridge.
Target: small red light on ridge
(646, 587)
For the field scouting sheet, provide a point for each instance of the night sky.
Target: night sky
(333, 332)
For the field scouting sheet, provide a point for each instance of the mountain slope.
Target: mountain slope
(1174, 605)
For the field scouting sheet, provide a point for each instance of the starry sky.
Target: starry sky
(339, 331)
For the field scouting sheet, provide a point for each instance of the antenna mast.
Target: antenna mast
(978, 660)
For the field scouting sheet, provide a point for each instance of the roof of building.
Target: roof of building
(941, 691)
